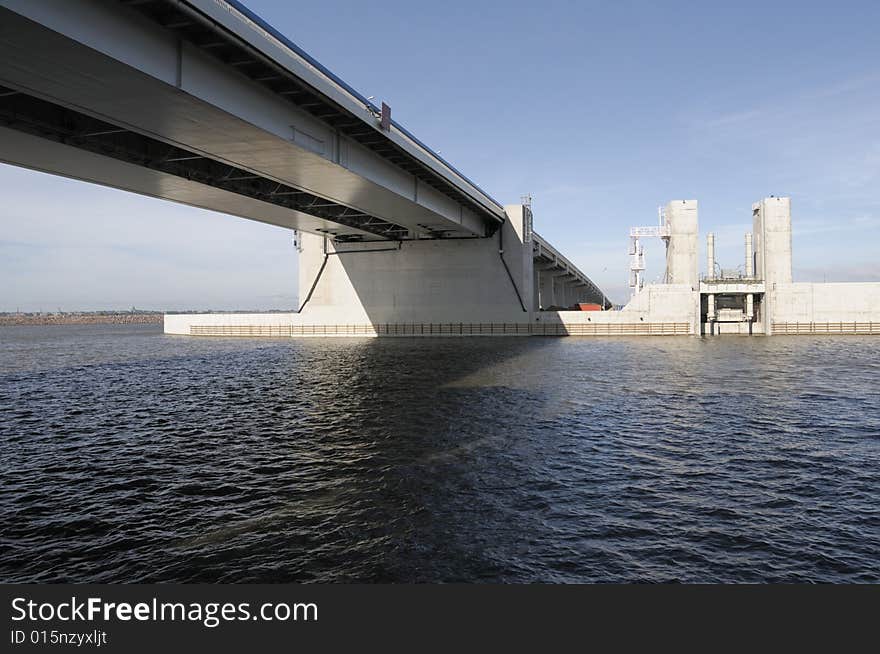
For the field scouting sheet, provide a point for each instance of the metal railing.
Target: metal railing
(449, 329)
(840, 327)
(729, 278)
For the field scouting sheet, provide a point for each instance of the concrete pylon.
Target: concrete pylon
(771, 227)
(681, 251)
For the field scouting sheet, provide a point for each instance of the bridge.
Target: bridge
(202, 102)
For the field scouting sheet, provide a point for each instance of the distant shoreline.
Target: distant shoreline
(97, 318)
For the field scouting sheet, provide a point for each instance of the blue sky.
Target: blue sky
(601, 110)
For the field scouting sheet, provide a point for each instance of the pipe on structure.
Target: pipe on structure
(507, 269)
(750, 270)
(750, 306)
(710, 307)
(710, 256)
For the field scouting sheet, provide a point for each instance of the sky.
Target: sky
(602, 111)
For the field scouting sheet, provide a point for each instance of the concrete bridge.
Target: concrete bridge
(202, 102)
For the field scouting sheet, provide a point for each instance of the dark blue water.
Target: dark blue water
(132, 456)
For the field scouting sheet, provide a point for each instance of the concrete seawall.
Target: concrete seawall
(549, 323)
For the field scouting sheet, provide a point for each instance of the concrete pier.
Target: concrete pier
(681, 252)
(473, 280)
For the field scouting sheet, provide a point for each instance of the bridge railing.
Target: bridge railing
(449, 329)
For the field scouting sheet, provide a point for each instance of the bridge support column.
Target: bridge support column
(574, 292)
(482, 280)
(544, 285)
(566, 293)
(562, 290)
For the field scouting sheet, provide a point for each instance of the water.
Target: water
(130, 456)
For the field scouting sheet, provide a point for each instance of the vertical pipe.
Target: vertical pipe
(750, 306)
(540, 291)
(710, 307)
(504, 263)
(317, 277)
(710, 256)
(750, 268)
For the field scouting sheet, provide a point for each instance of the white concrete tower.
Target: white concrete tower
(681, 253)
(771, 226)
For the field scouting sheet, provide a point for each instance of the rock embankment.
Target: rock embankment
(89, 318)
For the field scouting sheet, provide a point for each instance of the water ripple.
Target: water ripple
(137, 457)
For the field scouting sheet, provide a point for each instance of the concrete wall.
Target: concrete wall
(657, 309)
(733, 328)
(664, 303)
(681, 253)
(422, 281)
(181, 323)
(660, 309)
(829, 302)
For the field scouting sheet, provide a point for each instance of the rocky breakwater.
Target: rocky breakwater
(82, 318)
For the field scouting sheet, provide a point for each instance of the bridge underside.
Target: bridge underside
(42, 136)
(51, 138)
(102, 78)
(162, 100)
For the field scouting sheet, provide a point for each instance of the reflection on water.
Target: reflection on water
(128, 455)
